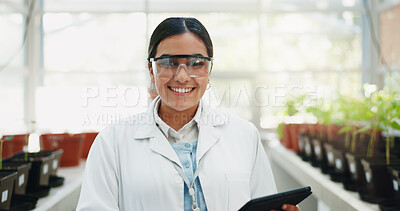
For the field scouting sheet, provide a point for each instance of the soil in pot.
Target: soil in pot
(7, 179)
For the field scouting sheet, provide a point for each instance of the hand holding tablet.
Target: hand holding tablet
(275, 201)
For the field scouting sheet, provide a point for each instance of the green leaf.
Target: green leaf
(9, 138)
(345, 129)
(395, 125)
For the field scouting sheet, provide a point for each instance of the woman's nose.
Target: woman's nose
(181, 74)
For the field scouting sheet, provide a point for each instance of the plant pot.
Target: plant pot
(14, 145)
(337, 162)
(309, 150)
(301, 153)
(71, 145)
(394, 171)
(56, 160)
(7, 179)
(54, 180)
(23, 202)
(38, 181)
(379, 185)
(356, 180)
(22, 169)
(286, 136)
(294, 141)
(320, 155)
(87, 143)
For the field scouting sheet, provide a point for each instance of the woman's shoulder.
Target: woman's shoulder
(228, 120)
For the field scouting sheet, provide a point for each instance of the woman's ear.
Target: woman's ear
(150, 68)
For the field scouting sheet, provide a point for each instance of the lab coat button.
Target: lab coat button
(187, 145)
(178, 180)
(187, 165)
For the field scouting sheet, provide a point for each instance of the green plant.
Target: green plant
(9, 138)
(279, 130)
(324, 112)
(388, 116)
(292, 105)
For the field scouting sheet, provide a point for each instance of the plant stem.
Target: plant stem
(387, 149)
(372, 143)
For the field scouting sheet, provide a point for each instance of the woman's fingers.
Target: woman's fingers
(290, 207)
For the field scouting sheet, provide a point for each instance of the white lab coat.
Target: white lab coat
(130, 167)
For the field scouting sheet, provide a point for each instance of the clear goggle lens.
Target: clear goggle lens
(195, 66)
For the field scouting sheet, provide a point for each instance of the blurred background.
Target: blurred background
(70, 65)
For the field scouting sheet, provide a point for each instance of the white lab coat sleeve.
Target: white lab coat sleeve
(262, 181)
(100, 181)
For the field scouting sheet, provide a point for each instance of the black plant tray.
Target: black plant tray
(40, 192)
(56, 181)
(23, 202)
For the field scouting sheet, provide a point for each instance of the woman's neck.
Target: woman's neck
(176, 119)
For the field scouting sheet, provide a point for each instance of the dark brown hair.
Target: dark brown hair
(174, 26)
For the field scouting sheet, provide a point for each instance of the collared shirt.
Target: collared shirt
(188, 133)
(187, 155)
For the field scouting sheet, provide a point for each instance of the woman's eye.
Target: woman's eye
(167, 63)
(197, 62)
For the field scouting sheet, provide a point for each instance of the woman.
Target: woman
(180, 154)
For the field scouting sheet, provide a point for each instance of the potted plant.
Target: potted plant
(288, 132)
(379, 187)
(351, 111)
(324, 112)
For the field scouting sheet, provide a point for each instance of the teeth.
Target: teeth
(181, 90)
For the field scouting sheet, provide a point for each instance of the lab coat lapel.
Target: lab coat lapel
(160, 145)
(208, 133)
(208, 137)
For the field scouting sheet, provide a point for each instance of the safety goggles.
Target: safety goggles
(168, 65)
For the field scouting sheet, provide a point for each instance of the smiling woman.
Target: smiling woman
(176, 156)
(180, 93)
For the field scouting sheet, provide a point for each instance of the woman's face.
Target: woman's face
(182, 44)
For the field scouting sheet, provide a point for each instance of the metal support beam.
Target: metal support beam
(33, 46)
(370, 44)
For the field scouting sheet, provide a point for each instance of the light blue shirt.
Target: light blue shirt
(184, 142)
(187, 155)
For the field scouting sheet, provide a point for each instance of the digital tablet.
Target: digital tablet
(276, 201)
